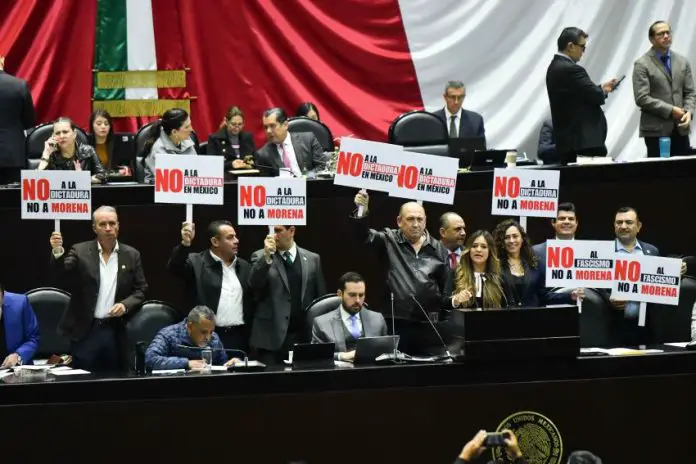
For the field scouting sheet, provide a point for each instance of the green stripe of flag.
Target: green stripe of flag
(111, 52)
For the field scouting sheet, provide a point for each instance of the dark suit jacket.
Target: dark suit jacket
(203, 278)
(21, 326)
(17, 114)
(272, 293)
(579, 125)
(82, 265)
(470, 124)
(310, 155)
(535, 293)
(219, 144)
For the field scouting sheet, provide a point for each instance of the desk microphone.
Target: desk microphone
(395, 354)
(275, 168)
(226, 350)
(444, 345)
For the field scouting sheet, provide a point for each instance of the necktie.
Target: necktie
(453, 260)
(453, 126)
(665, 61)
(286, 157)
(354, 329)
(288, 258)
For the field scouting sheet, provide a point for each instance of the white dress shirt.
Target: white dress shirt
(292, 251)
(457, 121)
(230, 310)
(346, 318)
(290, 150)
(108, 275)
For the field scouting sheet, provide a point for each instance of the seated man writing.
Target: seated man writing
(350, 321)
(180, 346)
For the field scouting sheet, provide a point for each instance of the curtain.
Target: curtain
(50, 45)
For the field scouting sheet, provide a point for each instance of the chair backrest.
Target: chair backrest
(418, 128)
(318, 128)
(595, 319)
(37, 138)
(321, 305)
(144, 134)
(437, 150)
(152, 316)
(673, 323)
(49, 304)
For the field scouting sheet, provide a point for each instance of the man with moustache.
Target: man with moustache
(452, 237)
(417, 271)
(286, 153)
(663, 87)
(108, 282)
(218, 279)
(350, 321)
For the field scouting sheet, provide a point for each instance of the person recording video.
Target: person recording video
(483, 440)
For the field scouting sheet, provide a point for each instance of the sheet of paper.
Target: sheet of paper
(678, 344)
(168, 371)
(218, 368)
(5, 373)
(70, 372)
(630, 351)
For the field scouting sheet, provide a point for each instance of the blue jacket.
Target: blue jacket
(165, 353)
(21, 327)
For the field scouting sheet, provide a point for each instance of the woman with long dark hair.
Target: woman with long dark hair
(308, 110)
(231, 141)
(63, 152)
(101, 137)
(477, 280)
(171, 135)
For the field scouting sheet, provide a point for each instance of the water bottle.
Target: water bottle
(207, 356)
(665, 146)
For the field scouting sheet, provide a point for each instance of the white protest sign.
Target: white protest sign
(272, 201)
(368, 165)
(525, 192)
(579, 263)
(57, 195)
(650, 279)
(189, 179)
(426, 178)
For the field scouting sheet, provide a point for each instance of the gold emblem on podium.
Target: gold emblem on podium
(538, 437)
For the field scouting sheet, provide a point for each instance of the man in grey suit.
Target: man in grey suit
(350, 320)
(17, 115)
(285, 279)
(289, 154)
(663, 87)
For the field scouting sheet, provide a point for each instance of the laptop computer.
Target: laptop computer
(123, 154)
(313, 355)
(369, 348)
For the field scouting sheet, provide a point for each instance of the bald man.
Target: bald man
(417, 271)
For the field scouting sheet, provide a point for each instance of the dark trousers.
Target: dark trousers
(276, 357)
(234, 337)
(680, 145)
(99, 351)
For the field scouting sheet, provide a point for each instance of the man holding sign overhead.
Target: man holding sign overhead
(218, 279)
(417, 270)
(108, 281)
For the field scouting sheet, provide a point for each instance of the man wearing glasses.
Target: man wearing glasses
(460, 122)
(579, 125)
(663, 87)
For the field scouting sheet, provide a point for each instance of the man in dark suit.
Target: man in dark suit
(579, 125)
(285, 279)
(218, 279)
(452, 237)
(286, 153)
(108, 282)
(19, 330)
(17, 115)
(459, 122)
(663, 87)
(350, 320)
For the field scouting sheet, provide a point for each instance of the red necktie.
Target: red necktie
(453, 260)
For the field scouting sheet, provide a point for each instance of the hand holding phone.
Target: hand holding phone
(619, 82)
(496, 439)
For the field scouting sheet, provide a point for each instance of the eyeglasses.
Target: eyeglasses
(582, 46)
(455, 98)
(663, 34)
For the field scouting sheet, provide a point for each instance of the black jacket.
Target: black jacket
(423, 277)
(219, 144)
(579, 125)
(203, 278)
(85, 155)
(16, 115)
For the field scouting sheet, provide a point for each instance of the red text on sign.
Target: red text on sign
(505, 187)
(408, 177)
(556, 256)
(249, 194)
(627, 270)
(169, 180)
(33, 188)
(349, 164)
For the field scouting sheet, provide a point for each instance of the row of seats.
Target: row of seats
(667, 323)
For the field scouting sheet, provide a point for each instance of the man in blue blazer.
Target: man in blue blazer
(459, 122)
(19, 330)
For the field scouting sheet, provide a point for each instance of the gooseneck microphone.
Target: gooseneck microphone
(274, 168)
(395, 354)
(226, 350)
(444, 345)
